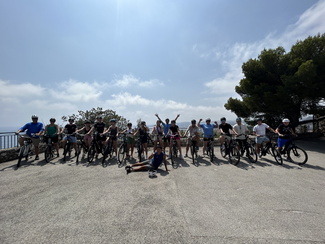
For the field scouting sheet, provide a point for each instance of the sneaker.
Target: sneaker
(37, 158)
(185, 156)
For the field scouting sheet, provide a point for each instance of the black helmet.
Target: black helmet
(223, 118)
(52, 119)
(34, 116)
(193, 121)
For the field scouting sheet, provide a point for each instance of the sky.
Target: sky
(138, 57)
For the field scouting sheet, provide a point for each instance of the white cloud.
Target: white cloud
(127, 81)
(7, 89)
(76, 91)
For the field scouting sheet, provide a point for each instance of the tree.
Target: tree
(92, 114)
(279, 84)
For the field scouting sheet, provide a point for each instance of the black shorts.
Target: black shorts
(101, 138)
(208, 139)
(54, 139)
(167, 138)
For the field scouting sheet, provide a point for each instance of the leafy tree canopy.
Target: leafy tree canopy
(279, 84)
(91, 115)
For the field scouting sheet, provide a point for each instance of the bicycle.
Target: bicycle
(96, 146)
(249, 148)
(25, 150)
(49, 151)
(123, 149)
(81, 146)
(108, 152)
(295, 153)
(210, 149)
(174, 151)
(271, 148)
(230, 148)
(140, 147)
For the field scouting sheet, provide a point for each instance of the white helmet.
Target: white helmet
(152, 173)
(285, 120)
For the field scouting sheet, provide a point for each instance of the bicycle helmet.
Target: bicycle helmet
(259, 119)
(87, 122)
(193, 121)
(52, 119)
(99, 117)
(143, 122)
(129, 124)
(238, 119)
(71, 119)
(208, 119)
(152, 173)
(113, 121)
(34, 116)
(286, 120)
(223, 118)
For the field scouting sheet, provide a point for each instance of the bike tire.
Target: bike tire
(107, 151)
(252, 155)
(48, 154)
(277, 155)
(140, 152)
(234, 155)
(223, 150)
(91, 153)
(20, 156)
(79, 148)
(193, 155)
(66, 150)
(297, 155)
(211, 153)
(121, 153)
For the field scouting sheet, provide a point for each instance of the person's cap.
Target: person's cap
(285, 120)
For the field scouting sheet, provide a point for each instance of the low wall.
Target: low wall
(12, 153)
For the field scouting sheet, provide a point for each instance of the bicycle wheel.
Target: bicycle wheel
(277, 155)
(234, 155)
(79, 148)
(251, 154)
(211, 153)
(91, 153)
(223, 150)
(297, 155)
(48, 154)
(121, 153)
(20, 155)
(193, 155)
(107, 152)
(140, 152)
(66, 150)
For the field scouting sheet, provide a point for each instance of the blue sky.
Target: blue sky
(138, 57)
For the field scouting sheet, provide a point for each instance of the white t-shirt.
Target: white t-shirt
(240, 129)
(260, 129)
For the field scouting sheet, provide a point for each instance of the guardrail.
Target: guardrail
(8, 140)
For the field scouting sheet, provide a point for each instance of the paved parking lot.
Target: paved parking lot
(214, 203)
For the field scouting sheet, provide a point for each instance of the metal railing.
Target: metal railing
(8, 140)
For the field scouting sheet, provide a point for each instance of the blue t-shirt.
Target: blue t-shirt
(208, 130)
(166, 127)
(32, 128)
(157, 160)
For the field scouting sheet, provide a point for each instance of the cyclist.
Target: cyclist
(175, 134)
(157, 158)
(98, 127)
(259, 131)
(52, 131)
(225, 129)
(70, 129)
(193, 135)
(87, 138)
(207, 132)
(157, 131)
(129, 139)
(284, 130)
(34, 130)
(113, 134)
(166, 129)
(241, 130)
(143, 132)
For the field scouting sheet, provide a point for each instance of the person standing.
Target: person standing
(34, 130)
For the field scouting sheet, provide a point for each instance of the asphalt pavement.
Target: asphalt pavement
(61, 202)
